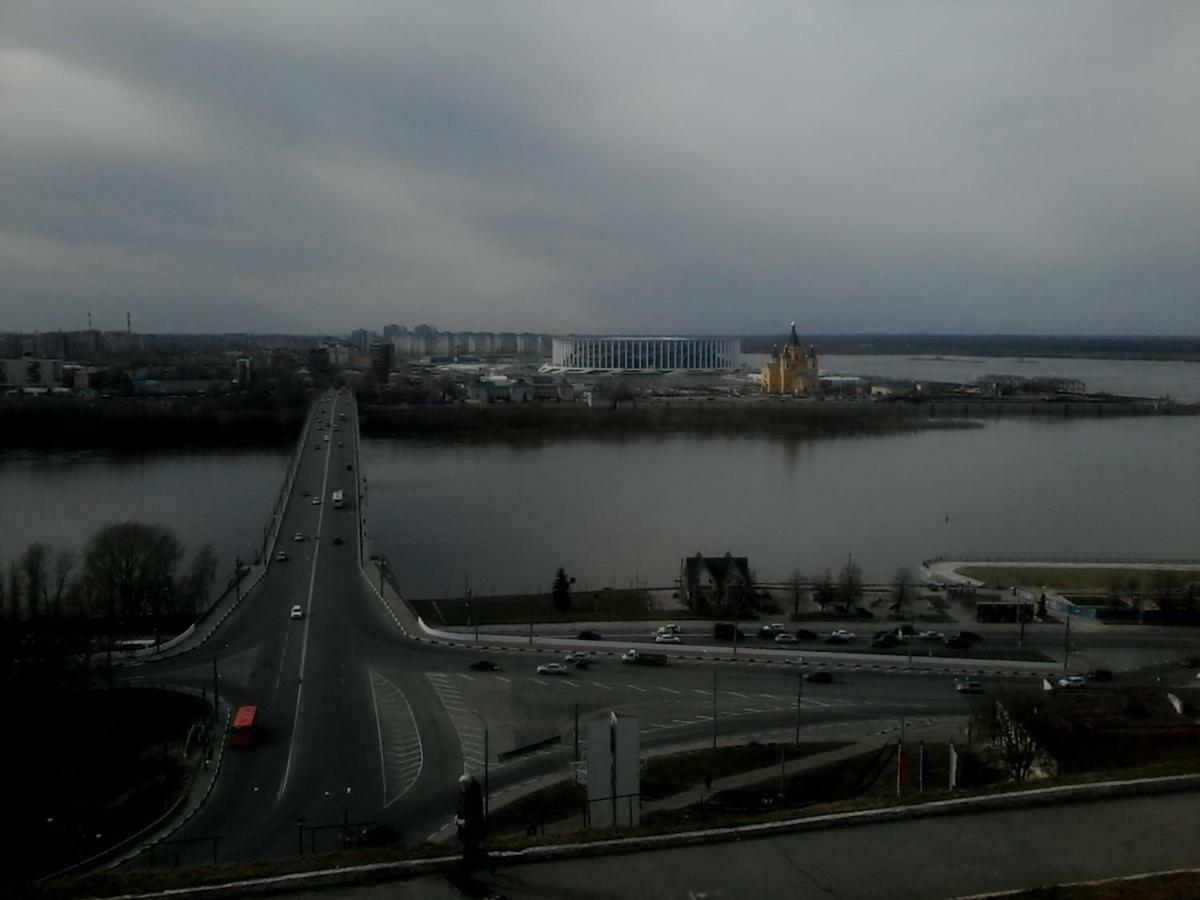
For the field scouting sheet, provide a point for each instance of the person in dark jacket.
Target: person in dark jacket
(469, 816)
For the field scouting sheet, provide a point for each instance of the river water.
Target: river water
(615, 511)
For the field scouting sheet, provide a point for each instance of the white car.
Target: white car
(281, 556)
(666, 638)
(298, 536)
(1072, 682)
(316, 501)
(297, 612)
(552, 669)
(777, 627)
(575, 656)
(786, 638)
(930, 636)
(842, 633)
(326, 437)
(671, 629)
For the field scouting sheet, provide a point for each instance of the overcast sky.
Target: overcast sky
(881, 166)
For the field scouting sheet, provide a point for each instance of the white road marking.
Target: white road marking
(312, 580)
(539, 681)
(568, 682)
(399, 739)
(467, 677)
(750, 709)
(600, 685)
(634, 687)
(505, 680)
(670, 690)
(702, 692)
(736, 694)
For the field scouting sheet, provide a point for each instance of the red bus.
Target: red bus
(245, 727)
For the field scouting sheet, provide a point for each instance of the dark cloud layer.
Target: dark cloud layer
(688, 166)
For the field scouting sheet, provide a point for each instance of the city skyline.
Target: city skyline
(909, 168)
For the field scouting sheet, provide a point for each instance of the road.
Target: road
(361, 724)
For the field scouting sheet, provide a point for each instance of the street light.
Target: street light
(345, 808)
(483, 722)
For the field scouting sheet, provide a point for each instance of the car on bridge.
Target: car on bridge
(281, 556)
(337, 542)
(305, 493)
(297, 612)
(298, 536)
(552, 669)
(316, 501)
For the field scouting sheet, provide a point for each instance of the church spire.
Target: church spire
(794, 340)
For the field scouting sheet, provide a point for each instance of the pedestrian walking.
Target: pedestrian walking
(469, 817)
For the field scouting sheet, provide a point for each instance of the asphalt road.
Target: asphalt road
(361, 724)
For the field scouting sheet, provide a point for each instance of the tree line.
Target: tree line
(130, 577)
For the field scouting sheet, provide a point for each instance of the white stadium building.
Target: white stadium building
(586, 353)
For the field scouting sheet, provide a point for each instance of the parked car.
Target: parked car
(905, 630)
(1190, 662)
(885, 641)
(1072, 682)
(956, 643)
(589, 635)
(930, 636)
(281, 556)
(552, 669)
(805, 634)
(842, 633)
(575, 656)
(836, 638)
(1100, 675)
(297, 612)
(582, 663)
(666, 638)
(969, 686)
(485, 665)
(821, 677)
(786, 638)
(969, 636)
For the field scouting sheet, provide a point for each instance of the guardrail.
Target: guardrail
(529, 748)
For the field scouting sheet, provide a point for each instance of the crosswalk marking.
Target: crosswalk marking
(466, 726)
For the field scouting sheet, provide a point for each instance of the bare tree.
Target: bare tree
(63, 581)
(1164, 588)
(14, 590)
(850, 584)
(130, 567)
(904, 589)
(34, 568)
(195, 588)
(1010, 722)
(796, 583)
(825, 592)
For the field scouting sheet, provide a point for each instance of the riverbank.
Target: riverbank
(131, 423)
(800, 418)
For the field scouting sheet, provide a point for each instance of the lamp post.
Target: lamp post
(483, 722)
(345, 809)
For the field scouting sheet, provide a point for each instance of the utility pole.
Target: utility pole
(714, 710)
(799, 692)
(576, 731)
(1067, 646)
(237, 578)
(214, 689)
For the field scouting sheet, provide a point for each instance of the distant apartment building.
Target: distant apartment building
(382, 353)
(245, 371)
(30, 372)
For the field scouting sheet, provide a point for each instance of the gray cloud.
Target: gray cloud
(676, 167)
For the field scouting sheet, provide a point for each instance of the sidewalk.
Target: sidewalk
(938, 731)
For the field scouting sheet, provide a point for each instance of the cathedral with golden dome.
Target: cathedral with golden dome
(794, 371)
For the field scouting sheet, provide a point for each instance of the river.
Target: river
(616, 511)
